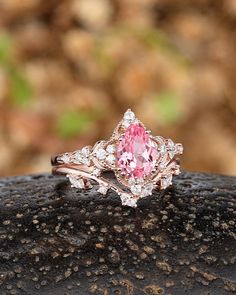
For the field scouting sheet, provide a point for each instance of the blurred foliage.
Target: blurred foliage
(21, 90)
(106, 62)
(5, 48)
(152, 38)
(74, 123)
(155, 39)
(168, 106)
(87, 61)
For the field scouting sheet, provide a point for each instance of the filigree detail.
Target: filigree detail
(103, 156)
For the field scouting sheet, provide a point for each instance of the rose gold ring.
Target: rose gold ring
(140, 161)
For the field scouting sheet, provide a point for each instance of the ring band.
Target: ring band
(141, 162)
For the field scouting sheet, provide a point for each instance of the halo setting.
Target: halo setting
(141, 162)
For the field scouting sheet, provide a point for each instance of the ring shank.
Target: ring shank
(64, 169)
(68, 168)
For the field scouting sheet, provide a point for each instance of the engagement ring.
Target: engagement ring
(140, 161)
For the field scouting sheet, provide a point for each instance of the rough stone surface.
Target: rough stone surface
(58, 240)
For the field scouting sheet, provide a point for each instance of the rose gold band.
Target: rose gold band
(85, 172)
(141, 162)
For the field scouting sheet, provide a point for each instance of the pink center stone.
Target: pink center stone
(136, 152)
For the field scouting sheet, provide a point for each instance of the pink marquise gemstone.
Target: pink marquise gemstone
(136, 152)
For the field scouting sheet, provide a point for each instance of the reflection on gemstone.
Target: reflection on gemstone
(136, 152)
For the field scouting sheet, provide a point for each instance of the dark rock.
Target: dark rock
(58, 240)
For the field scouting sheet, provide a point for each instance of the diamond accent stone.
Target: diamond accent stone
(132, 181)
(136, 152)
(111, 149)
(81, 157)
(76, 181)
(86, 161)
(65, 158)
(127, 200)
(101, 154)
(171, 148)
(129, 118)
(85, 151)
(166, 181)
(129, 115)
(111, 159)
(177, 171)
(161, 166)
(162, 149)
(78, 157)
(179, 148)
(135, 181)
(96, 172)
(103, 189)
(136, 189)
(147, 190)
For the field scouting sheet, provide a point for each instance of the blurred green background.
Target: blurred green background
(69, 69)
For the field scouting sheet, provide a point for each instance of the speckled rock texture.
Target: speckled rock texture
(59, 240)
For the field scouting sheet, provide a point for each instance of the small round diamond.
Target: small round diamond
(136, 189)
(129, 118)
(177, 171)
(179, 148)
(171, 148)
(131, 181)
(101, 154)
(111, 149)
(162, 149)
(103, 189)
(129, 115)
(166, 181)
(161, 166)
(171, 145)
(65, 158)
(85, 151)
(76, 181)
(81, 158)
(85, 161)
(127, 200)
(147, 190)
(96, 172)
(78, 157)
(111, 159)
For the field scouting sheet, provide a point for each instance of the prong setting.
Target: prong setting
(151, 166)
